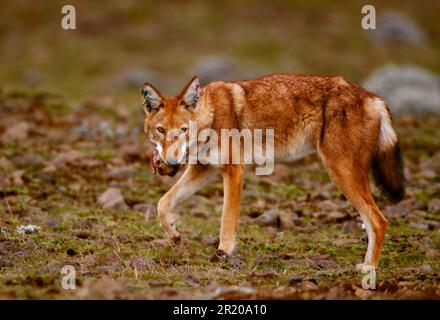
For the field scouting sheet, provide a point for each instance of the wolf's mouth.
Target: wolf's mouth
(175, 170)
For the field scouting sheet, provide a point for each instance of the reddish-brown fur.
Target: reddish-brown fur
(340, 120)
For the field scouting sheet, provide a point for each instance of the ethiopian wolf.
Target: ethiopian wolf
(349, 127)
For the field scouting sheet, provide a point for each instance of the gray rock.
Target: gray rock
(397, 210)
(28, 160)
(220, 291)
(425, 268)
(83, 130)
(286, 219)
(134, 78)
(336, 216)
(434, 205)
(406, 89)
(121, 173)
(394, 27)
(16, 132)
(210, 240)
(351, 227)
(268, 218)
(112, 199)
(105, 129)
(420, 226)
(216, 68)
(25, 229)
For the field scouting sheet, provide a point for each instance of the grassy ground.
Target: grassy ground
(76, 125)
(52, 178)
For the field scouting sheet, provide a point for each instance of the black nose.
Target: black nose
(172, 162)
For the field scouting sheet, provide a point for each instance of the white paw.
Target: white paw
(228, 248)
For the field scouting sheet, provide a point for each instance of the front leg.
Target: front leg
(189, 183)
(232, 184)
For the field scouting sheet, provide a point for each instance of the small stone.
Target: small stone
(5, 164)
(68, 157)
(398, 210)
(323, 261)
(215, 68)
(309, 285)
(396, 27)
(286, 219)
(28, 160)
(112, 199)
(210, 240)
(30, 228)
(120, 173)
(325, 195)
(17, 132)
(241, 290)
(295, 279)
(105, 129)
(432, 253)
(351, 227)
(31, 244)
(405, 284)
(421, 226)
(16, 178)
(83, 130)
(434, 205)
(268, 218)
(157, 243)
(149, 210)
(133, 78)
(336, 216)
(49, 169)
(328, 205)
(425, 268)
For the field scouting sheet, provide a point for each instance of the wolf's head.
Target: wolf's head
(167, 122)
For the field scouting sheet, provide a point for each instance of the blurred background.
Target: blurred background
(120, 44)
(74, 162)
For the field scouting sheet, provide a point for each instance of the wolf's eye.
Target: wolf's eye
(183, 129)
(161, 129)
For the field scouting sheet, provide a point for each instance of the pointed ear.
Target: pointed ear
(152, 97)
(190, 95)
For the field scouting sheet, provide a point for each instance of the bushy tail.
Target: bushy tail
(388, 173)
(388, 163)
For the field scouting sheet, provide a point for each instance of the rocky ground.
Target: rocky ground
(79, 172)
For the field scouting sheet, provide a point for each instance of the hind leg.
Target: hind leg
(352, 179)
